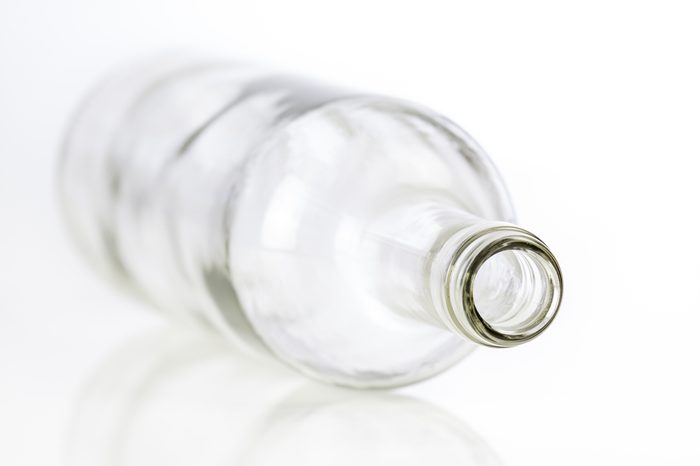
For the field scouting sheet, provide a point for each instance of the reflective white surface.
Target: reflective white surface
(591, 113)
(177, 398)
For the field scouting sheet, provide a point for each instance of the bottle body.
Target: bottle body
(316, 223)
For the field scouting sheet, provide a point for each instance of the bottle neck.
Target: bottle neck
(491, 282)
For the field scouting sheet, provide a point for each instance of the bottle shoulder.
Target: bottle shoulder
(311, 209)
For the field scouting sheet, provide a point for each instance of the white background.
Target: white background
(590, 109)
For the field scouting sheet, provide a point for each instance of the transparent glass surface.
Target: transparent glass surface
(341, 231)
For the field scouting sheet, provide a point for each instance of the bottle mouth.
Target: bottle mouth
(504, 286)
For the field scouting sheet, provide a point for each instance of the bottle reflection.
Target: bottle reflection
(184, 399)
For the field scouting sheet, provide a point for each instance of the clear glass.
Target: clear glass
(362, 239)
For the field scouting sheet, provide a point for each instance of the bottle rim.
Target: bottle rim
(469, 259)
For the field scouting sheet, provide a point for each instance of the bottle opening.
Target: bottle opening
(503, 286)
(513, 290)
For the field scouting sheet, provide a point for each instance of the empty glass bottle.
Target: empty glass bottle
(364, 240)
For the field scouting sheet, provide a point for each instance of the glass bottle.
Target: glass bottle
(365, 240)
